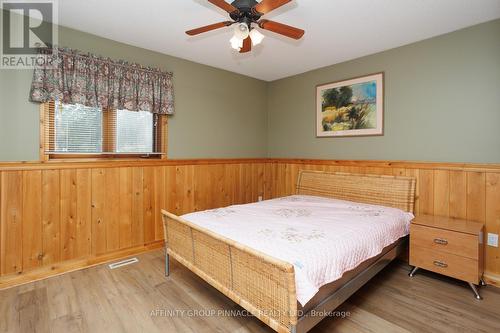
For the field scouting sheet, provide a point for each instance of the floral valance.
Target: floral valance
(78, 78)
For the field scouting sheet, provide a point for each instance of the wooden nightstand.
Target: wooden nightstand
(448, 246)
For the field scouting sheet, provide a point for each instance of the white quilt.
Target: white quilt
(322, 238)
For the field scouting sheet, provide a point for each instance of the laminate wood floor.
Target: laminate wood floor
(138, 298)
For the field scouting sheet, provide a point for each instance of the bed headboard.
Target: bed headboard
(391, 191)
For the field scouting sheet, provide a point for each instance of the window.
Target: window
(75, 131)
(134, 132)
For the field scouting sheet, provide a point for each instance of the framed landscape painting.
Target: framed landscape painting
(352, 107)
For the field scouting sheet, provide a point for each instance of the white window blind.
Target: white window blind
(80, 130)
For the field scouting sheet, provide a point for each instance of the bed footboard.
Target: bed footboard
(262, 285)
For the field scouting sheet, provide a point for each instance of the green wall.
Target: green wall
(210, 121)
(442, 103)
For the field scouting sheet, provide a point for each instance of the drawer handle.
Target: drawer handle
(440, 264)
(440, 241)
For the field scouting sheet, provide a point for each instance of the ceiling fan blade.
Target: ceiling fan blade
(247, 45)
(265, 6)
(224, 5)
(208, 28)
(281, 29)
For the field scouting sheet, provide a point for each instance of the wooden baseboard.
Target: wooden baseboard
(492, 279)
(9, 281)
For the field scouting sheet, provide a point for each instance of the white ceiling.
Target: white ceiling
(336, 30)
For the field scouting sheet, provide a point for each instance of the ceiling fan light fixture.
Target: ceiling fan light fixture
(236, 43)
(245, 15)
(256, 37)
(241, 31)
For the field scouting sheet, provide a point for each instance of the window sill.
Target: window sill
(102, 158)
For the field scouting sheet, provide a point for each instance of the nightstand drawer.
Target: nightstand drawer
(462, 268)
(453, 242)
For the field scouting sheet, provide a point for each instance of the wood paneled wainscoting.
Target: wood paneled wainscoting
(58, 216)
(470, 191)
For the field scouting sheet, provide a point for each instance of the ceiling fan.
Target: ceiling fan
(244, 13)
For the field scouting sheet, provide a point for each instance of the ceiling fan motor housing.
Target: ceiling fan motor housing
(246, 12)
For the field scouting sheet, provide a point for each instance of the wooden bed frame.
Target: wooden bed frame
(265, 286)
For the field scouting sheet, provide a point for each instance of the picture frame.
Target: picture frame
(352, 107)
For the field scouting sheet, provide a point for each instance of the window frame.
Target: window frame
(46, 137)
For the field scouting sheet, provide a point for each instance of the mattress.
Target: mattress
(322, 238)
